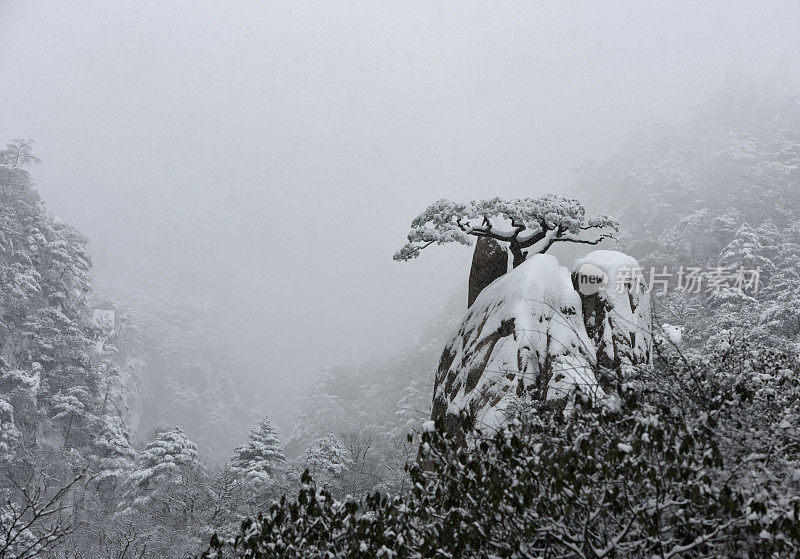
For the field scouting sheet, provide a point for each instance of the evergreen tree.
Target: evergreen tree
(45, 329)
(72, 410)
(168, 500)
(326, 459)
(9, 435)
(163, 462)
(113, 456)
(746, 252)
(261, 460)
(770, 237)
(781, 314)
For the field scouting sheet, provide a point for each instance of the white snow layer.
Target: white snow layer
(672, 333)
(428, 427)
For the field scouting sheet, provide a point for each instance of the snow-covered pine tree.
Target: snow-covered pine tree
(325, 406)
(167, 499)
(113, 457)
(326, 459)
(525, 226)
(72, 410)
(747, 252)
(163, 463)
(9, 435)
(770, 238)
(260, 461)
(781, 314)
(412, 408)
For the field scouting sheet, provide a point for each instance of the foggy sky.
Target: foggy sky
(275, 152)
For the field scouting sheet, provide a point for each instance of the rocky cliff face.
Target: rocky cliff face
(531, 332)
(489, 262)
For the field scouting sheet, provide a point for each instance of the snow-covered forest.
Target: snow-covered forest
(231, 339)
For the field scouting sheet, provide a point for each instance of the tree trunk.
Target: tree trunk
(516, 252)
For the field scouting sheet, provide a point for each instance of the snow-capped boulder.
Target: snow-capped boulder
(524, 333)
(616, 308)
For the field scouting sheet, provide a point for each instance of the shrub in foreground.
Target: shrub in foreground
(693, 458)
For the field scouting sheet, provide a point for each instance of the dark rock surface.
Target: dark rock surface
(489, 262)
